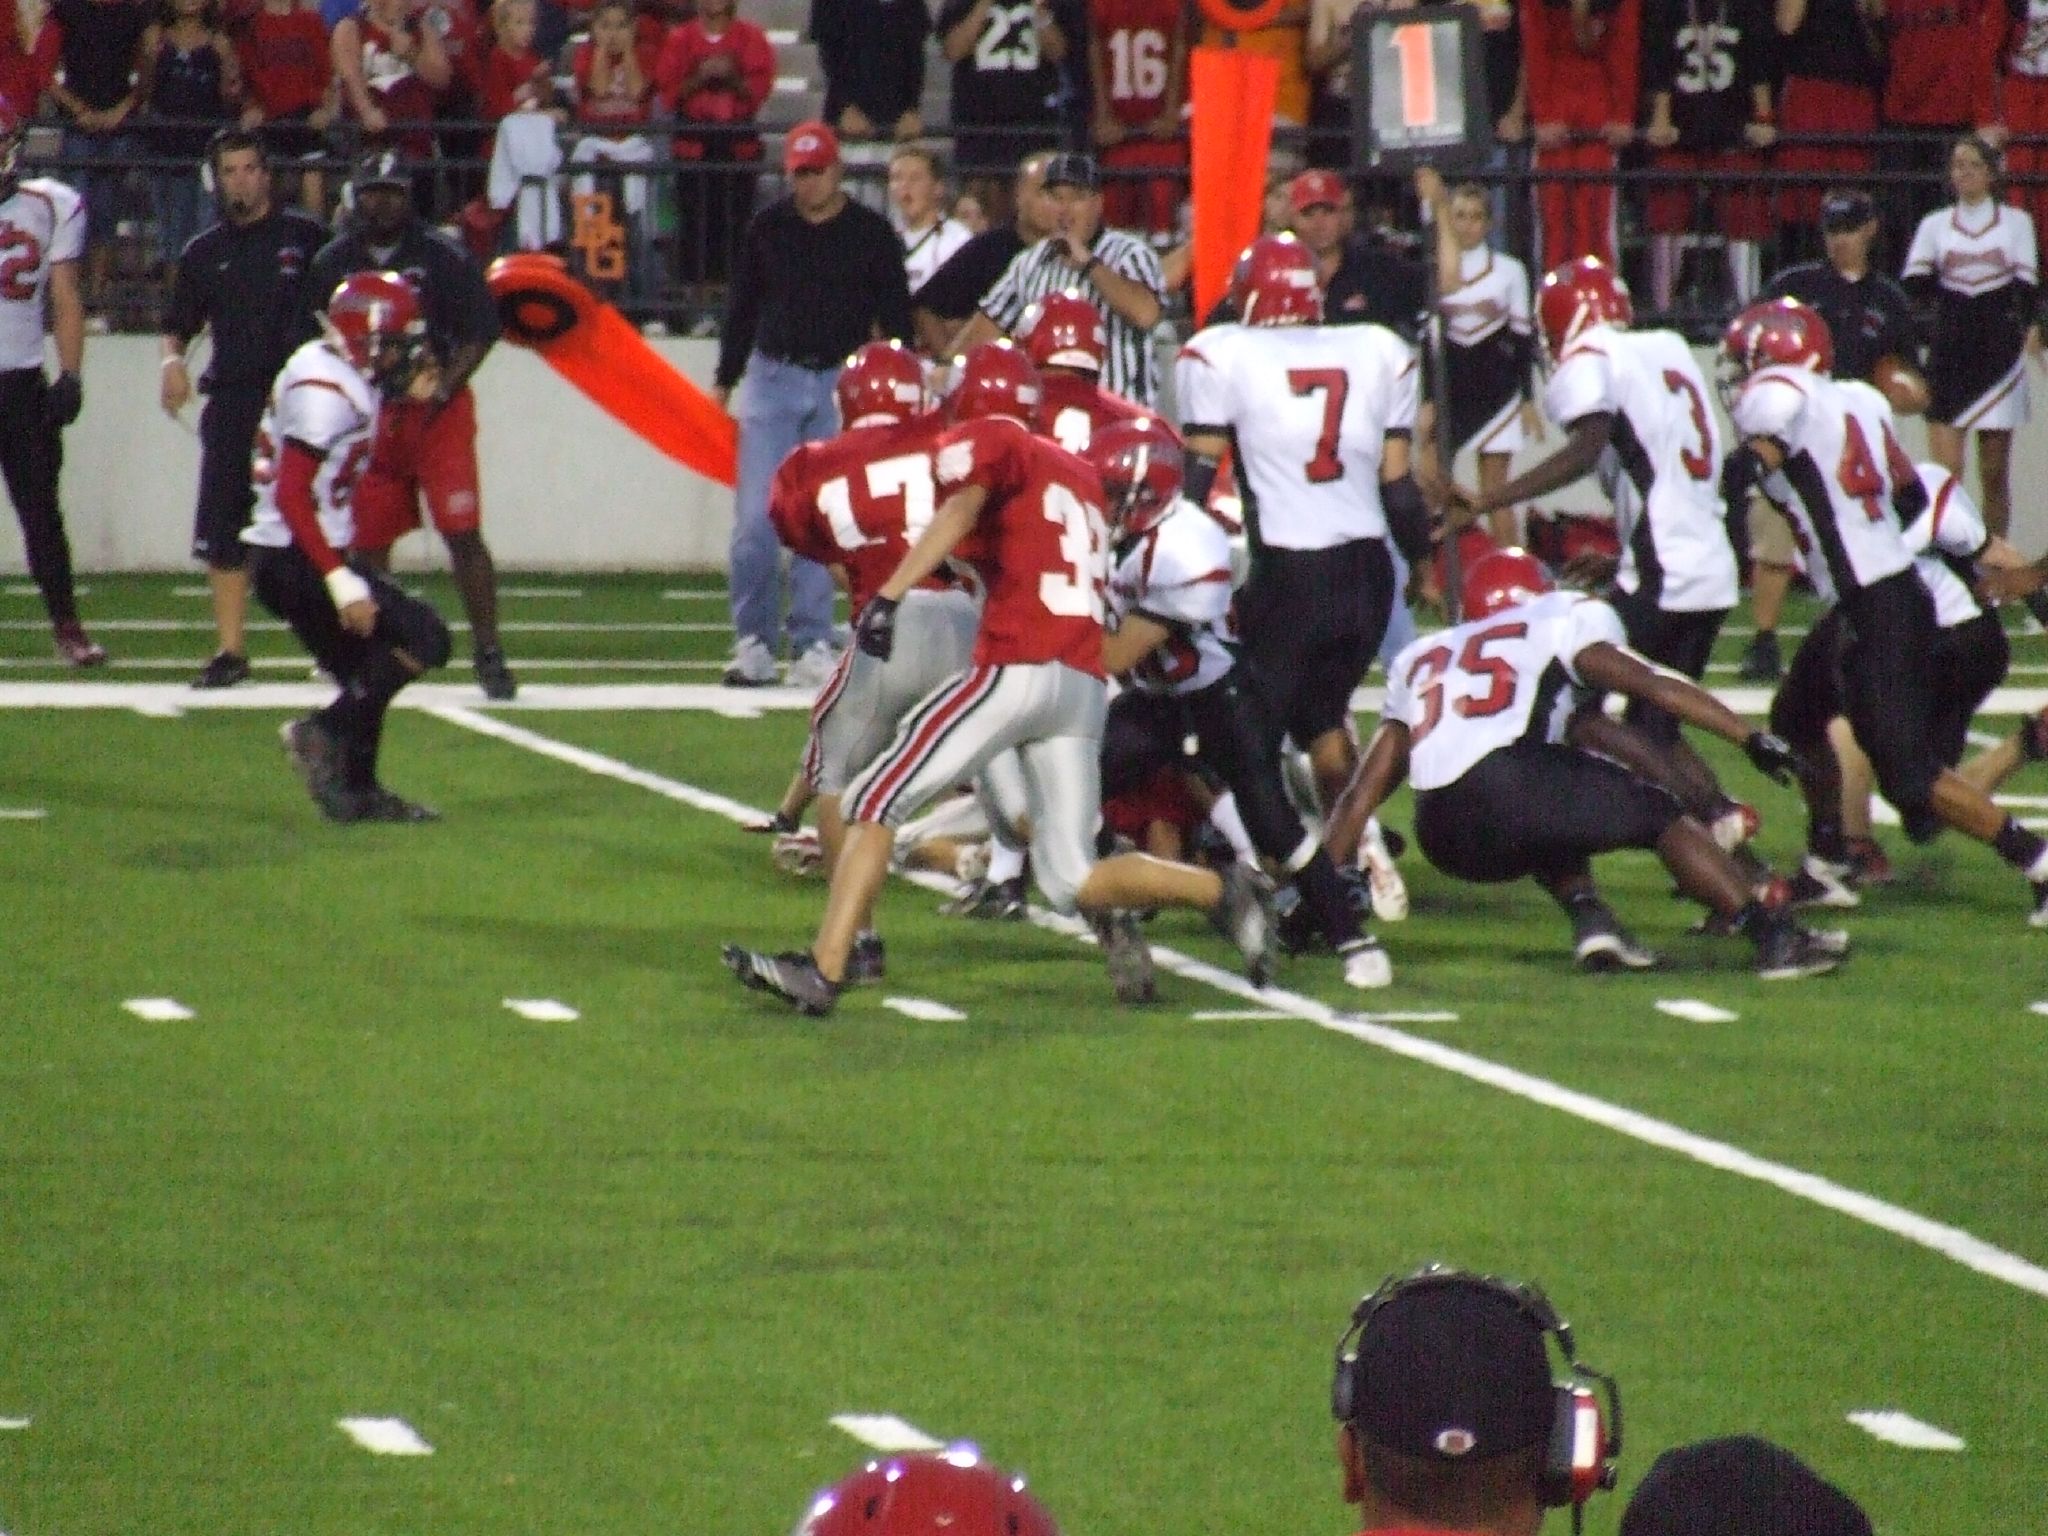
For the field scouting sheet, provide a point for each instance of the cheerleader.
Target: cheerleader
(1975, 264)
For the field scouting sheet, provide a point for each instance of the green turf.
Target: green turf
(621, 1272)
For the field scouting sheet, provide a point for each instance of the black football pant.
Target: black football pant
(409, 638)
(31, 456)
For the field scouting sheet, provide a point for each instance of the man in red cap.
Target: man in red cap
(817, 275)
(1363, 280)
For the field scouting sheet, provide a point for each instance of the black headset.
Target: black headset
(1583, 1440)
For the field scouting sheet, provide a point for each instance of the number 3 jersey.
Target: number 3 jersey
(1041, 544)
(859, 500)
(42, 222)
(1662, 465)
(1308, 408)
(1177, 573)
(324, 405)
(1465, 693)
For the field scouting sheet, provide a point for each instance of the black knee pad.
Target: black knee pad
(420, 632)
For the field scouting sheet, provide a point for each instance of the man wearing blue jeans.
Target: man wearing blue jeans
(817, 275)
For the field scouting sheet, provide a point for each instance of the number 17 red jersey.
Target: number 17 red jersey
(858, 500)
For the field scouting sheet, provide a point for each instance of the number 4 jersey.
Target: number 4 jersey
(322, 404)
(42, 222)
(858, 500)
(1467, 692)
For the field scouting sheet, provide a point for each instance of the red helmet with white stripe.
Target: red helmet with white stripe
(1502, 579)
(1784, 331)
(997, 379)
(882, 383)
(1578, 295)
(954, 1493)
(375, 318)
(1063, 330)
(1274, 283)
(1138, 461)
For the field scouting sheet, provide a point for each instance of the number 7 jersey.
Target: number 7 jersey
(1465, 693)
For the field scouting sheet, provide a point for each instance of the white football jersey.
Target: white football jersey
(1310, 407)
(1974, 250)
(1841, 476)
(1465, 693)
(1949, 528)
(1179, 574)
(319, 400)
(1492, 291)
(1662, 465)
(42, 222)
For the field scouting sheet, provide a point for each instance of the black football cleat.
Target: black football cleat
(792, 976)
(1600, 945)
(1788, 952)
(1820, 882)
(494, 677)
(317, 757)
(224, 671)
(989, 902)
(1761, 662)
(867, 962)
(379, 804)
(75, 648)
(1127, 955)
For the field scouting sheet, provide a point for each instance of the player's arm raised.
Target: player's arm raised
(1380, 772)
(1616, 670)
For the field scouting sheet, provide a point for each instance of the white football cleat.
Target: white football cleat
(1366, 965)
(1383, 880)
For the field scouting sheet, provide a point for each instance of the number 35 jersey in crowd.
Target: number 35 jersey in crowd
(1662, 464)
(1041, 545)
(1177, 573)
(1309, 408)
(322, 403)
(42, 222)
(858, 500)
(1467, 692)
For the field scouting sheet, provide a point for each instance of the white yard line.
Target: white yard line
(542, 1010)
(385, 1437)
(1897, 1428)
(1950, 1242)
(885, 1432)
(1693, 1011)
(159, 1010)
(925, 1010)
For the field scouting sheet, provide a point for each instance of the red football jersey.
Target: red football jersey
(1074, 409)
(1041, 545)
(858, 500)
(1136, 40)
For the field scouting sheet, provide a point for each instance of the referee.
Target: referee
(1112, 268)
(817, 276)
(242, 278)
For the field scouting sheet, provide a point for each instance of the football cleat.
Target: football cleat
(1868, 864)
(1761, 661)
(989, 901)
(1127, 955)
(316, 756)
(1366, 965)
(1600, 945)
(814, 668)
(798, 853)
(866, 962)
(1244, 915)
(379, 804)
(75, 648)
(1383, 880)
(494, 677)
(1787, 952)
(792, 976)
(1821, 882)
(224, 671)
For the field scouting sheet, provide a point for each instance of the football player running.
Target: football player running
(1170, 601)
(368, 635)
(1834, 466)
(1476, 718)
(855, 503)
(1029, 517)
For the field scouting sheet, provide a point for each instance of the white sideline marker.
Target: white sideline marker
(1896, 1428)
(15, 1423)
(1693, 1011)
(2040, 1008)
(385, 1437)
(542, 1010)
(30, 589)
(885, 1432)
(159, 1010)
(23, 813)
(924, 1010)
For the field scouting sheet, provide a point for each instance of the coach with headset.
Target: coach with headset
(1450, 1416)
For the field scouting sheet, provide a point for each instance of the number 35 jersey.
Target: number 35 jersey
(1465, 693)
(1308, 408)
(1662, 464)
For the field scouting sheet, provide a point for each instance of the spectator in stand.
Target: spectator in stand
(1327, 56)
(1284, 40)
(194, 81)
(510, 76)
(613, 72)
(872, 53)
(100, 58)
(969, 214)
(29, 51)
(1138, 63)
(951, 296)
(1739, 1486)
(392, 67)
(1707, 73)
(2020, 106)
(917, 198)
(715, 70)
(1005, 56)
(1507, 93)
(289, 92)
(1583, 59)
(1941, 64)
(1831, 65)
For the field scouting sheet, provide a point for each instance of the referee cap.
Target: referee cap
(811, 146)
(1071, 168)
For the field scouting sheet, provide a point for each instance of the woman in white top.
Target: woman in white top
(917, 192)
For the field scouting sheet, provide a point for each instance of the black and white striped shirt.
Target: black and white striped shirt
(1131, 369)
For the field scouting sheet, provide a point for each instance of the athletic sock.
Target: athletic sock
(2023, 850)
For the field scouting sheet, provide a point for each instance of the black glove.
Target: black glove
(876, 631)
(62, 402)
(1773, 755)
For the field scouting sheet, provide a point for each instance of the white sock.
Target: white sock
(1224, 817)
(1004, 863)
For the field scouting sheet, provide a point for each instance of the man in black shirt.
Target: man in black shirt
(818, 274)
(241, 278)
(1871, 322)
(103, 83)
(424, 449)
(1364, 278)
(950, 297)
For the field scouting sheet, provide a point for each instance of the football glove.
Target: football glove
(876, 631)
(63, 401)
(1773, 755)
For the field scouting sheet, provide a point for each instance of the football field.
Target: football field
(380, 1180)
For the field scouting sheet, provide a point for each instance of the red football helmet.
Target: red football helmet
(881, 383)
(374, 317)
(1579, 294)
(1501, 580)
(997, 379)
(1274, 283)
(954, 1493)
(1782, 331)
(1139, 463)
(1063, 330)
